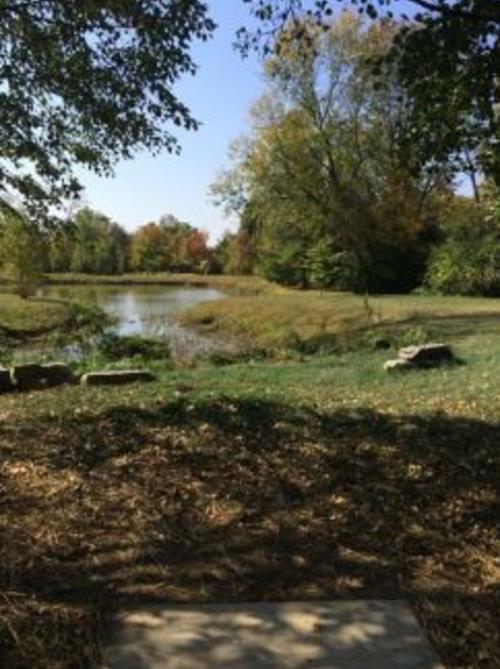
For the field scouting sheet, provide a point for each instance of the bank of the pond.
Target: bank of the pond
(312, 320)
(241, 285)
(23, 321)
(149, 311)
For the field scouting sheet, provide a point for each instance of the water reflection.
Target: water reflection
(149, 311)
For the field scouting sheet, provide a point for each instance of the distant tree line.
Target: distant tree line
(91, 243)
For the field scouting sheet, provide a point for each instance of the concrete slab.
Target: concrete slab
(319, 635)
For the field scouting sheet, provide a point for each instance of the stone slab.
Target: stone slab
(359, 634)
(116, 377)
(5, 380)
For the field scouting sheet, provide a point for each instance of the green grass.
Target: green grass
(30, 316)
(314, 319)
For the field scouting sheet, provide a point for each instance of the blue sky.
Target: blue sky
(219, 96)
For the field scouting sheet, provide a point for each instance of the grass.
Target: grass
(29, 317)
(244, 285)
(314, 319)
(307, 479)
(54, 322)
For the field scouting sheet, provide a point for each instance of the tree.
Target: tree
(93, 244)
(468, 260)
(447, 56)
(149, 249)
(325, 162)
(88, 83)
(21, 250)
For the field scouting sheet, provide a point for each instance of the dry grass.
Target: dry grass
(244, 285)
(293, 317)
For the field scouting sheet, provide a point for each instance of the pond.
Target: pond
(148, 311)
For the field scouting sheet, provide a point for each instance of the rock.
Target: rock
(26, 376)
(116, 377)
(35, 376)
(398, 365)
(56, 373)
(5, 380)
(427, 355)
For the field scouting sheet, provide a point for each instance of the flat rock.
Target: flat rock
(5, 380)
(116, 377)
(25, 376)
(426, 354)
(55, 373)
(321, 635)
(398, 365)
(34, 375)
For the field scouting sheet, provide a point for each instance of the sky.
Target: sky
(219, 95)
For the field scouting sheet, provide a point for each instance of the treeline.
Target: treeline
(332, 190)
(91, 243)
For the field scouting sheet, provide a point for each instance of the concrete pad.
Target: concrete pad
(319, 635)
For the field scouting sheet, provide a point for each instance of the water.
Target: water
(148, 311)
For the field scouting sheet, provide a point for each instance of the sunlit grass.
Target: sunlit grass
(31, 315)
(295, 317)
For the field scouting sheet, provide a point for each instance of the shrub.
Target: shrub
(116, 347)
(468, 261)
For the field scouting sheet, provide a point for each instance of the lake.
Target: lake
(149, 311)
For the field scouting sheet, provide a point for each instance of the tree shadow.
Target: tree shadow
(241, 501)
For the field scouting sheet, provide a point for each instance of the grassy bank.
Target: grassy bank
(314, 319)
(242, 285)
(314, 479)
(28, 317)
(22, 320)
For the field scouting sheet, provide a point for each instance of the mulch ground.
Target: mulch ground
(244, 501)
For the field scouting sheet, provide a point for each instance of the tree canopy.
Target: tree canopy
(324, 184)
(86, 83)
(448, 55)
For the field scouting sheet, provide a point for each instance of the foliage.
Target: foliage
(87, 83)
(21, 250)
(326, 166)
(170, 245)
(91, 243)
(468, 261)
(116, 347)
(446, 55)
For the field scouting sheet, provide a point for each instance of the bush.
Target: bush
(468, 261)
(116, 347)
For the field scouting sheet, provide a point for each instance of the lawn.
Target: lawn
(315, 478)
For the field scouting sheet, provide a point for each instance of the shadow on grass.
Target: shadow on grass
(244, 501)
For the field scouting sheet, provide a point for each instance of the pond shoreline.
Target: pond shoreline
(239, 285)
(145, 311)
